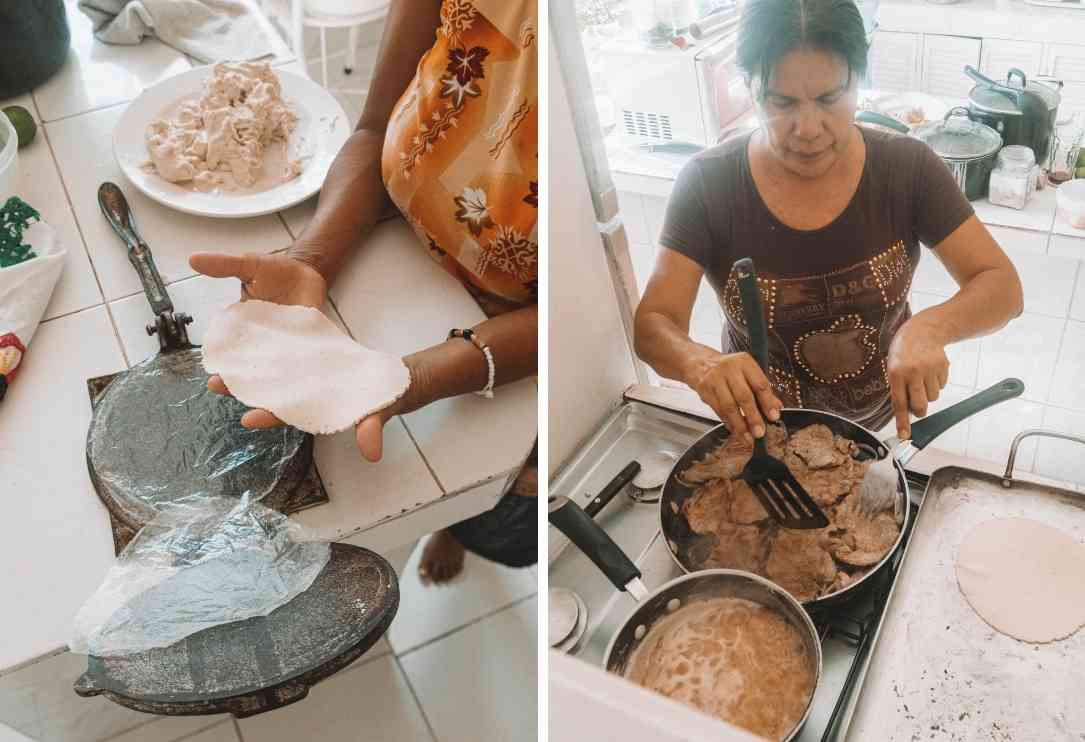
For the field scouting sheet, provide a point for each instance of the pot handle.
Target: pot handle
(1011, 93)
(959, 111)
(873, 117)
(926, 430)
(616, 485)
(1007, 476)
(1015, 72)
(590, 538)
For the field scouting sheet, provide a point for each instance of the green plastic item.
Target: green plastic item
(23, 122)
(15, 217)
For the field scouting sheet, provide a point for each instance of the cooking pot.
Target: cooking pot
(1022, 113)
(682, 591)
(967, 146)
(34, 40)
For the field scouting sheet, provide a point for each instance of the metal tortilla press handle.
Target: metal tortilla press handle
(926, 430)
(597, 545)
(1007, 477)
(115, 208)
(170, 327)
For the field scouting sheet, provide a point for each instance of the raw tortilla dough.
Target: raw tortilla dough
(293, 362)
(1024, 578)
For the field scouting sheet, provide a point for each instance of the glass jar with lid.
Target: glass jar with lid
(1014, 177)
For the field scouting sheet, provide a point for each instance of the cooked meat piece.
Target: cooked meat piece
(816, 446)
(729, 459)
(799, 563)
(827, 486)
(745, 507)
(843, 579)
(857, 539)
(740, 547)
(708, 507)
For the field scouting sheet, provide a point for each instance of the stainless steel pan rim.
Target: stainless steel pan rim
(794, 611)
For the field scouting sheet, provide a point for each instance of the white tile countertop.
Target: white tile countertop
(441, 464)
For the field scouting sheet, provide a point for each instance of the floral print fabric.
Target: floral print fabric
(460, 156)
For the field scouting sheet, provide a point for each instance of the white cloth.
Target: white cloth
(25, 290)
(208, 30)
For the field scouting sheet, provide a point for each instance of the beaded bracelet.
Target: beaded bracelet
(488, 390)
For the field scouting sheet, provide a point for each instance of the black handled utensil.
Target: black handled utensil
(777, 489)
(621, 481)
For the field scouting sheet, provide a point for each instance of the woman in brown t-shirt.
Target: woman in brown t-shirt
(833, 216)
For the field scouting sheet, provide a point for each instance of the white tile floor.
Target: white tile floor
(482, 627)
(1045, 347)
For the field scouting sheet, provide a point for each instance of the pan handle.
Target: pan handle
(1007, 476)
(616, 485)
(926, 430)
(590, 538)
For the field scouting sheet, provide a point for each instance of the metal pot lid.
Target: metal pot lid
(958, 137)
(989, 99)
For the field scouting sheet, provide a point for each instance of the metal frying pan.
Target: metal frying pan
(252, 666)
(691, 550)
(679, 592)
(158, 434)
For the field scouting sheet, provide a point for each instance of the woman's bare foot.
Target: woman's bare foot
(442, 559)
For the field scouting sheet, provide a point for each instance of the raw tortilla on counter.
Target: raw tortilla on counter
(1024, 578)
(293, 362)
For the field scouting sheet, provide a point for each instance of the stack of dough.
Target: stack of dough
(220, 139)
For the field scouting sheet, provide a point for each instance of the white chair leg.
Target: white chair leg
(324, 54)
(352, 50)
(297, 23)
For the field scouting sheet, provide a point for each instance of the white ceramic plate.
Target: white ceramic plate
(897, 104)
(322, 129)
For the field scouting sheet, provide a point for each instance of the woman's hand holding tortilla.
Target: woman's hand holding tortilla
(918, 370)
(736, 388)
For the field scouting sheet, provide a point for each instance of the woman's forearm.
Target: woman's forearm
(456, 366)
(670, 351)
(982, 306)
(353, 196)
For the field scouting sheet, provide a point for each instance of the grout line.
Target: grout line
(83, 239)
(418, 448)
(237, 729)
(414, 695)
(289, 231)
(467, 625)
(97, 109)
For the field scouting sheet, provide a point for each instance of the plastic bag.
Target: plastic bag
(185, 438)
(200, 563)
(31, 266)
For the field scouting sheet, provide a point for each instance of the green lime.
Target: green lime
(23, 122)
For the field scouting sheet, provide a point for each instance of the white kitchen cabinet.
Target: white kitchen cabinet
(894, 62)
(944, 58)
(998, 56)
(1065, 62)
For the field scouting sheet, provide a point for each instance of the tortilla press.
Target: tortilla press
(158, 434)
(263, 663)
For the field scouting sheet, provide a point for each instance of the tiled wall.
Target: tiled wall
(1045, 347)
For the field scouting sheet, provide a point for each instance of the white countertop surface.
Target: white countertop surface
(55, 541)
(993, 19)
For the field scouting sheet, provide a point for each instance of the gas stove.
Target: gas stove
(636, 430)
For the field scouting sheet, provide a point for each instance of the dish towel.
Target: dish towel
(208, 30)
(31, 262)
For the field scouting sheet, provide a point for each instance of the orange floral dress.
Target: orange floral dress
(460, 156)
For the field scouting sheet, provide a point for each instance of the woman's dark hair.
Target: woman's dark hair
(771, 28)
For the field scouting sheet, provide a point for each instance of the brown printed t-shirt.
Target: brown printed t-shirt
(460, 156)
(833, 297)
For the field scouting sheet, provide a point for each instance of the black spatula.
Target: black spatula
(772, 482)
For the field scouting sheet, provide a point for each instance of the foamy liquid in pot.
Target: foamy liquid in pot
(733, 659)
